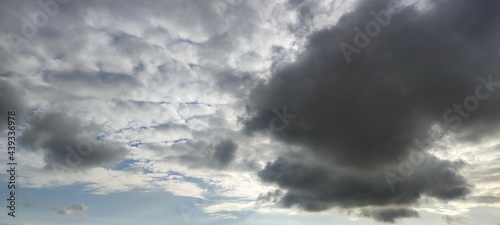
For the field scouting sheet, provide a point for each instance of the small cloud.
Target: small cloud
(454, 220)
(75, 207)
(488, 199)
(271, 196)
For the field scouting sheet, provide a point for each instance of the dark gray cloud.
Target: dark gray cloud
(66, 141)
(320, 187)
(389, 215)
(224, 152)
(355, 119)
(11, 98)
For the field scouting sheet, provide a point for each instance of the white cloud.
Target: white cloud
(80, 208)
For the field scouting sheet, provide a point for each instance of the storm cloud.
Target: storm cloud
(389, 215)
(11, 99)
(356, 119)
(65, 140)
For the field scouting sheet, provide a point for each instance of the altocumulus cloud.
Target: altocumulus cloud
(55, 133)
(355, 119)
(200, 154)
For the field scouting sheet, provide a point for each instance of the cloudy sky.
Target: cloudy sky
(251, 112)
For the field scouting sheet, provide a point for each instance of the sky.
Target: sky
(250, 112)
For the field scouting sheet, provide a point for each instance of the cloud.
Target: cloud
(11, 98)
(320, 187)
(450, 220)
(234, 82)
(97, 84)
(203, 154)
(389, 215)
(81, 208)
(165, 91)
(66, 140)
(357, 120)
(488, 199)
(270, 196)
(224, 152)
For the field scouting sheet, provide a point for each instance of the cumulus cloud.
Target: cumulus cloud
(357, 120)
(320, 187)
(80, 208)
(65, 140)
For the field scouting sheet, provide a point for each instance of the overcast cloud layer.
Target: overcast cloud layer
(279, 109)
